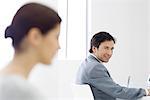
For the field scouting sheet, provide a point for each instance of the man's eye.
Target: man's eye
(112, 48)
(106, 48)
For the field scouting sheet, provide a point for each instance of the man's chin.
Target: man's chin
(105, 61)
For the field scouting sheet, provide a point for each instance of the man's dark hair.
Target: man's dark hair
(100, 37)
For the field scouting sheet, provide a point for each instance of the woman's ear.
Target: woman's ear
(34, 36)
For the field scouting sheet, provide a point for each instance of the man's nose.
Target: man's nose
(109, 52)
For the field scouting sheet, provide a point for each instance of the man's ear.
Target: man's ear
(94, 49)
(34, 36)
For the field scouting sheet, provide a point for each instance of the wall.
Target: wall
(149, 35)
(127, 20)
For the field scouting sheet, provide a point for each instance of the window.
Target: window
(73, 31)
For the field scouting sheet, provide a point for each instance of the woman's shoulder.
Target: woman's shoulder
(12, 81)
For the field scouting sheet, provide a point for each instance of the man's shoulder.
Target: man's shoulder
(90, 65)
(95, 64)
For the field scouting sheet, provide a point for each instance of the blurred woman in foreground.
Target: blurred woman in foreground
(34, 32)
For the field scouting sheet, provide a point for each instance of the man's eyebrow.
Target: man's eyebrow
(106, 46)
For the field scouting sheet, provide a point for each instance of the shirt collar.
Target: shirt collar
(95, 57)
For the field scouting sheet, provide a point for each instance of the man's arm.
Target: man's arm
(100, 79)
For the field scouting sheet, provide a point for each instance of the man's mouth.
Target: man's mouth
(107, 57)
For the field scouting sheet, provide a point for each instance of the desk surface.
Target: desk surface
(146, 98)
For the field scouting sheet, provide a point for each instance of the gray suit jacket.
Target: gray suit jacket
(95, 74)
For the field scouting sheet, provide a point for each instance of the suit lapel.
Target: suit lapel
(108, 74)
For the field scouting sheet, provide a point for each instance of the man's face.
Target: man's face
(105, 51)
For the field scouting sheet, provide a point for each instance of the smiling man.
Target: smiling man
(95, 74)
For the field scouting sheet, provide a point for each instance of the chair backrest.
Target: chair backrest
(82, 92)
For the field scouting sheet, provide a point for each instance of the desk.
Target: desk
(146, 98)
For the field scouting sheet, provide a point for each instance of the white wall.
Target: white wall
(127, 20)
(149, 35)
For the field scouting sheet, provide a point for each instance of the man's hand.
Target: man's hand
(148, 92)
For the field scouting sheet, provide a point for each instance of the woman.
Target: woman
(34, 32)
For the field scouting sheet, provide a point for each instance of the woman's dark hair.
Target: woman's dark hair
(28, 16)
(100, 37)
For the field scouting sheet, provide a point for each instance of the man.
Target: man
(96, 75)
